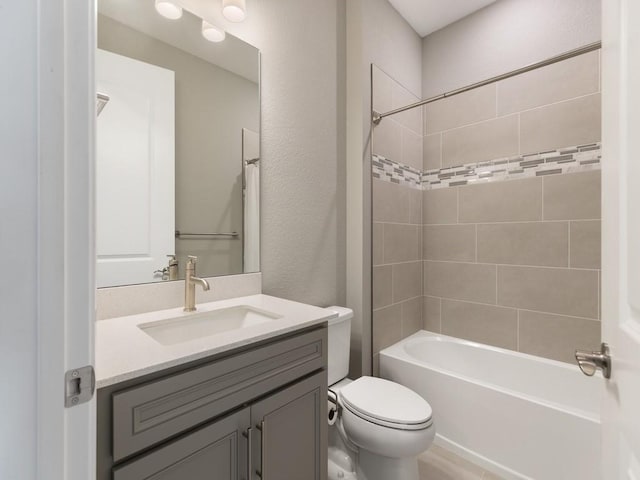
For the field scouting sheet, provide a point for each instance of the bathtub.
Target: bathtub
(517, 415)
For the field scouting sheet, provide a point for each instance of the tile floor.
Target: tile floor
(440, 464)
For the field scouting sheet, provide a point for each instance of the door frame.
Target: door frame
(66, 34)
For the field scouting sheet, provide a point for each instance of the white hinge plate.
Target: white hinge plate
(79, 385)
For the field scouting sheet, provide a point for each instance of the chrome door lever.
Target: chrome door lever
(589, 362)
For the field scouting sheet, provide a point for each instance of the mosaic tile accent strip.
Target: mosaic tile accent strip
(395, 172)
(555, 162)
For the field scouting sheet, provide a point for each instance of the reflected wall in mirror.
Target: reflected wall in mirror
(178, 170)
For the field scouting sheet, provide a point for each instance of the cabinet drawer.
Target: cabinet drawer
(150, 413)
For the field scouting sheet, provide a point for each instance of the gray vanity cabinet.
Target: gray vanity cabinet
(258, 413)
(292, 426)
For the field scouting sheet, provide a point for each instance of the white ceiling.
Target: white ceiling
(427, 16)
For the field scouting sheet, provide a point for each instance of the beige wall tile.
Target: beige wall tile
(432, 151)
(431, 314)
(461, 281)
(585, 244)
(415, 205)
(572, 196)
(536, 243)
(411, 316)
(450, 242)
(387, 140)
(382, 88)
(378, 243)
(401, 243)
(470, 107)
(480, 323)
(387, 327)
(412, 118)
(407, 281)
(554, 290)
(571, 78)
(508, 201)
(440, 206)
(411, 149)
(488, 140)
(396, 203)
(574, 122)
(557, 336)
(382, 286)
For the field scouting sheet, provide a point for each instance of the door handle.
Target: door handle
(589, 362)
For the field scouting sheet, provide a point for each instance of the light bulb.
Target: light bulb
(212, 33)
(168, 9)
(234, 10)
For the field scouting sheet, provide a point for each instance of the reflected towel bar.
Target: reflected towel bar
(180, 234)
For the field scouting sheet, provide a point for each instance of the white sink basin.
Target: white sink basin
(198, 325)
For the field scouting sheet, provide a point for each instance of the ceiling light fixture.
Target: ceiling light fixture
(234, 10)
(168, 9)
(212, 33)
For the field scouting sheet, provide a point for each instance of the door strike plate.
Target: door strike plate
(79, 385)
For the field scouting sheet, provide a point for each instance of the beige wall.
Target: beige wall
(513, 262)
(212, 107)
(503, 36)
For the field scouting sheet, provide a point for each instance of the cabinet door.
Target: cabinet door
(292, 444)
(217, 451)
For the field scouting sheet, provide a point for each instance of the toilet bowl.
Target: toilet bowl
(381, 427)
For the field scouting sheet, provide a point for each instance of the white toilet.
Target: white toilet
(381, 426)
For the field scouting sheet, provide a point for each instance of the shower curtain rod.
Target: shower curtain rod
(377, 117)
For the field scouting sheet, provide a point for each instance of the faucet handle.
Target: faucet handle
(192, 258)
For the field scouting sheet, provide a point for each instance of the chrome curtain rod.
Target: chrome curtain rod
(377, 117)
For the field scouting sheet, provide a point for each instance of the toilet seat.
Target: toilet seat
(387, 404)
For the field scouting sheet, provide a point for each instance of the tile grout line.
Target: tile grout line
(509, 307)
(507, 222)
(513, 265)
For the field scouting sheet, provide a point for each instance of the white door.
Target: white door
(621, 237)
(135, 170)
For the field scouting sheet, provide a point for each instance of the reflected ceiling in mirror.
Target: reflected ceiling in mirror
(178, 170)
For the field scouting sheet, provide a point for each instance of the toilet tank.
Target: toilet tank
(339, 344)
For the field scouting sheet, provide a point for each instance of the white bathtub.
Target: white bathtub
(517, 415)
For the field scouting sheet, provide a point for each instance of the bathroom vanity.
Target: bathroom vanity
(245, 403)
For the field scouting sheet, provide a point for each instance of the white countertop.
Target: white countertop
(124, 351)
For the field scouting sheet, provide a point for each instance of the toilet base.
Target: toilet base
(371, 466)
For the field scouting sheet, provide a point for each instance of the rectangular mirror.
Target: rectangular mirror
(178, 159)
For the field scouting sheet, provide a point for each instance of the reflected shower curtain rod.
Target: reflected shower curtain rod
(377, 117)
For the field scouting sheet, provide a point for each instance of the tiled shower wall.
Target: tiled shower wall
(397, 220)
(513, 262)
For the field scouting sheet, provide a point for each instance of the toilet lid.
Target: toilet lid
(386, 403)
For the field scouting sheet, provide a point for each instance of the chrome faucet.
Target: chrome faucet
(190, 281)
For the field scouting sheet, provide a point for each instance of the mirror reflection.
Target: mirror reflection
(178, 160)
